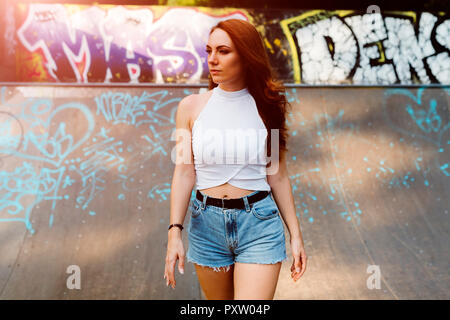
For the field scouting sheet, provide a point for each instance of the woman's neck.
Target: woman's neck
(232, 86)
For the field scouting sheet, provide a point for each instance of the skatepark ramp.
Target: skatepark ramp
(85, 177)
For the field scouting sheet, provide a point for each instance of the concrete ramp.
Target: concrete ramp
(85, 178)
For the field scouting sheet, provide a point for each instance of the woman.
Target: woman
(236, 236)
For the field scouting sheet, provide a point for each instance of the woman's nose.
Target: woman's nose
(212, 58)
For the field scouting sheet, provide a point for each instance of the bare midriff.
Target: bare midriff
(226, 191)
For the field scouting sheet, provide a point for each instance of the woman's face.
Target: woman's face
(224, 61)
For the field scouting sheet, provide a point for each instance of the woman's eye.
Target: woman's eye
(208, 51)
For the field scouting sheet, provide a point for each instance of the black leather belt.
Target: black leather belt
(232, 203)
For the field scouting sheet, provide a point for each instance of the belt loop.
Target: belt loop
(247, 205)
(205, 197)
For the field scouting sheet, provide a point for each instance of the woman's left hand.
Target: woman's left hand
(299, 264)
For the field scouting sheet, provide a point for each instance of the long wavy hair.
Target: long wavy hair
(269, 94)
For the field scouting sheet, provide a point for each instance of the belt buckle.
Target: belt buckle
(223, 204)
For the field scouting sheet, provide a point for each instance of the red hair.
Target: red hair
(269, 94)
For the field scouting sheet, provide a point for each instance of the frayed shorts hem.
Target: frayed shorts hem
(226, 268)
(274, 261)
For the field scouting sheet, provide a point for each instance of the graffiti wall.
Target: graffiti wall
(86, 177)
(157, 44)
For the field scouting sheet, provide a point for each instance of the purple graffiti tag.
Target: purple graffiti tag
(68, 42)
(177, 44)
(124, 32)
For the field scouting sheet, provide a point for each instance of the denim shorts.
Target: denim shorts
(218, 237)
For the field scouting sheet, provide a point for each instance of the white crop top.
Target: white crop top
(229, 141)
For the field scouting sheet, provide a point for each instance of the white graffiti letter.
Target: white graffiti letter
(319, 63)
(374, 280)
(74, 280)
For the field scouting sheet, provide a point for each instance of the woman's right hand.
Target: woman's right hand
(175, 251)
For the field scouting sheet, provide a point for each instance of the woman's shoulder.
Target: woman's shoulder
(193, 99)
(192, 104)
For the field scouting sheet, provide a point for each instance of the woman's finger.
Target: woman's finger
(293, 272)
(303, 268)
(166, 274)
(181, 264)
(296, 275)
(304, 259)
(298, 264)
(171, 271)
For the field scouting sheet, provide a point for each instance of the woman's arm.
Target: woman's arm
(282, 193)
(183, 179)
(182, 184)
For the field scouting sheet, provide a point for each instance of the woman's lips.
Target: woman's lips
(215, 71)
